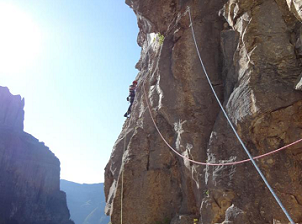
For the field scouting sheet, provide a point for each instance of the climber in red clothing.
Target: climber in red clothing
(131, 96)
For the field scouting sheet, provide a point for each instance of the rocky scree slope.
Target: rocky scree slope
(252, 51)
(30, 172)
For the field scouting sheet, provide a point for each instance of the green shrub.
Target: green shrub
(165, 221)
(161, 38)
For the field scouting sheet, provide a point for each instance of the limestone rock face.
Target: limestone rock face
(30, 173)
(11, 110)
(252, 53)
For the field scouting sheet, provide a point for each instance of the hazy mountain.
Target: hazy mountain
(86, 202)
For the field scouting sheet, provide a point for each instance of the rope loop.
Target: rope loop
(252, 159)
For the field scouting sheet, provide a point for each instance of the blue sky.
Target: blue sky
(76, 70)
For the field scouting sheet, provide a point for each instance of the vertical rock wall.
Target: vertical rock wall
(251, 50)
(30, 172)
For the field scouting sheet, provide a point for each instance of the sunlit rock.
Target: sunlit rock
(251, 51)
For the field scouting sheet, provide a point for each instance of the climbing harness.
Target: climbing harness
(233, 128)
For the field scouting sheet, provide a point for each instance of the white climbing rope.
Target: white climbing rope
(206, 163)
(233, 128)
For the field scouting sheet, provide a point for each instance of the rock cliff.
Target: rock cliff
(11, 112)
(252, 51)
(30, 172)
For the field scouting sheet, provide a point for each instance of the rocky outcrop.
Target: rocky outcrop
(30, 172)
(252, 52)
(11, 110)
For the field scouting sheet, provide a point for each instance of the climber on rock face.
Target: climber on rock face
(131, 96)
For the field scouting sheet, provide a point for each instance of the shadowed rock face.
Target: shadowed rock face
(252, 52)
(30, 172)
(11, 110)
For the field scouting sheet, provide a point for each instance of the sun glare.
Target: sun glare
(20, 40)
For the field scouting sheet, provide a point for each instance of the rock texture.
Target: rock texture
(252, 52)
(30, 172)
(11, 111)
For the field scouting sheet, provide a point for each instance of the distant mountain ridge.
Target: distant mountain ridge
(86, 202)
